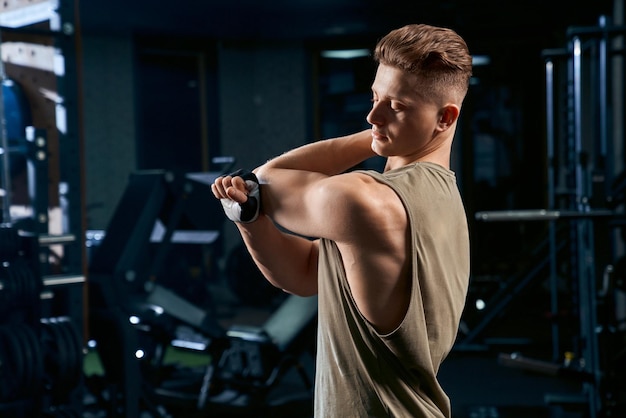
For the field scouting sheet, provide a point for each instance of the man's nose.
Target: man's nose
(374, 117)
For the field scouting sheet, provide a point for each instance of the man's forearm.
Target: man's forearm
(287, 261)
(329, 157)
(290, 261)
(287, 178)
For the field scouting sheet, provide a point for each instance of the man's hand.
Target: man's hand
(239, 194)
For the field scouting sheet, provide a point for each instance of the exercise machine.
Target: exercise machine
(139, 311)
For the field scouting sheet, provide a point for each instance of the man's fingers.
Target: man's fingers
(239, 184)
(236, 195)
(219, 188)
(239, 195)
(228, 187)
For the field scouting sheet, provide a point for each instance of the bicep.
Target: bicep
(316, 205)
(288, 198)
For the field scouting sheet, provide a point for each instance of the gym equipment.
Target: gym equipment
(40, 355)
(37, 361)
(256, 358)
(17, 117)
(40, 359)
(63, 354)
(139, 311)
(127, 270)
(156, 209)
(20, 286)
(582, 216)
(589, 59)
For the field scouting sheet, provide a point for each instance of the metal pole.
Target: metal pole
(577, 123)
(602, 105)
(584, 239)
(4, 143)
(554, 300)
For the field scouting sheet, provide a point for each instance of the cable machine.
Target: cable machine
(585, 198)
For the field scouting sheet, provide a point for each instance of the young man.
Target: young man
(390, 261)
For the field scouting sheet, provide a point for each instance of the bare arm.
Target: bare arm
(329, 156)
(295, 184)
(287, 261)
(293, 195)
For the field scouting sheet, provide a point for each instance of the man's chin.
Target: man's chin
(379, 148)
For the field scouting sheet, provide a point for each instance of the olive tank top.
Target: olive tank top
(361, 373)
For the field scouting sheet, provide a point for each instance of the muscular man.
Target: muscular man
(387, 253)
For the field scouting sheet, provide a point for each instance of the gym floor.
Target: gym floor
(480, 387)
(478, 384)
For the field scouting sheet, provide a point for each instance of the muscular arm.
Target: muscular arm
(295, 189)
(307, 192)
(296, 184)
(287, 261)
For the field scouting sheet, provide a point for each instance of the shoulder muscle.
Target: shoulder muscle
(352, 204)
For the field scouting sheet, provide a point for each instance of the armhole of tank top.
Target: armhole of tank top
(390, 335)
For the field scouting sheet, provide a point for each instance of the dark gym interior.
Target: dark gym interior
(124, 291)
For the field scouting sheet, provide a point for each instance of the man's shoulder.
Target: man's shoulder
(364, 198)
(358, 184)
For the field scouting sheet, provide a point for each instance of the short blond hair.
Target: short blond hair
(438, 56)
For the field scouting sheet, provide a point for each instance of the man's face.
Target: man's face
(403, 121)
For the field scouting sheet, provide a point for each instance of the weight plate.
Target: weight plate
(35, 346)
(7, 385)
(15, 360)
(21, 356)
(48, 346)
(73, 349)
(56, 358)
(17, 333)
(63, 356)
(71, 354)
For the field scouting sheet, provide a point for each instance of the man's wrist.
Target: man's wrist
(248, 211)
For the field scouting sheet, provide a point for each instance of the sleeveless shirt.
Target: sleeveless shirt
(361, 373)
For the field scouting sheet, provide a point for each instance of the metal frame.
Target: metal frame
(580, 177)
(68, 286)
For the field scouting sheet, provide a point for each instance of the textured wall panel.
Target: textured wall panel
(109, 124)
(263, 101)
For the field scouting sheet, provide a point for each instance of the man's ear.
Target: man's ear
(447, 116)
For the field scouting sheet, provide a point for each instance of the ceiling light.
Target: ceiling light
(478, 60)
(346, 53)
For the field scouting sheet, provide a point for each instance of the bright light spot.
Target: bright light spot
(139, 353)
(92, 343)
(480, 304)
(134, 320)
(478, 60)
(346, 53)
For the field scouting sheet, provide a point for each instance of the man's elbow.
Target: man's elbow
(300, 289)
(263, 172)
(304, 293)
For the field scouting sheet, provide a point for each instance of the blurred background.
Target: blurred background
(123, 291)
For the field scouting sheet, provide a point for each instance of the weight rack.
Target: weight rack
(42, 274)
(41, 350)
